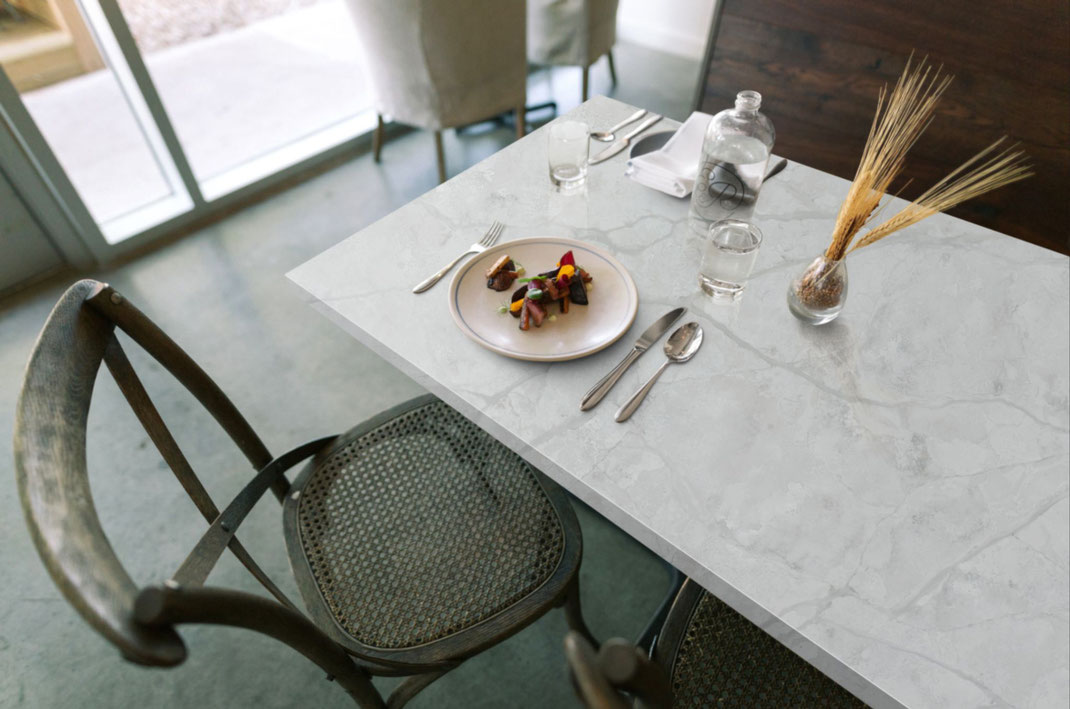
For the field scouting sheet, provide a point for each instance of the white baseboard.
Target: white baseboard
(665, 39)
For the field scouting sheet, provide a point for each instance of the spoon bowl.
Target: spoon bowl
(684, 342)
(608, 136)
(680, 347)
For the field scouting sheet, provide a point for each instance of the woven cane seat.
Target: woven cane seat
(725, 660)
(424, 526)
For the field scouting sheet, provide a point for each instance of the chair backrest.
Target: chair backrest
(570, 32)
(618, 666)
(52, 477)
(440, 64)
(600, 677)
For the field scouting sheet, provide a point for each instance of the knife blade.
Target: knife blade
(651, 335)
(623, 142)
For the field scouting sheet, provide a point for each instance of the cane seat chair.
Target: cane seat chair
(416, 540)
(705, 655)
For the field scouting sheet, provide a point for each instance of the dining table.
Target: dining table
(886, 495)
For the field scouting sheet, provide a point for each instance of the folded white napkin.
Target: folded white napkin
(673, 169)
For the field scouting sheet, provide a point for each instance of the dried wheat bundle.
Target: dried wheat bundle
(899, 121)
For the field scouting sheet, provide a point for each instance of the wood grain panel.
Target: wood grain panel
(819, 65)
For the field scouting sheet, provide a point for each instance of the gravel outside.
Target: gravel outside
(157, 24)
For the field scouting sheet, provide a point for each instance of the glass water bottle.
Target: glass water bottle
(735, 152)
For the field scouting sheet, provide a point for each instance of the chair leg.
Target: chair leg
(586, 80)
(574, 614)
(377, 137)
(521, 116)
(441, 155)
(612, 68)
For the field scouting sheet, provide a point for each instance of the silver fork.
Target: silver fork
(477, 248)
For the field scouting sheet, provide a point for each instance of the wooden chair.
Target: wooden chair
(706, 655)
(416, 540)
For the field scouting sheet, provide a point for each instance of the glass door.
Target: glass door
(70, 94)
(144, 115)
(252, 87)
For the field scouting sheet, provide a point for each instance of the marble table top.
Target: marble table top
(886, 494)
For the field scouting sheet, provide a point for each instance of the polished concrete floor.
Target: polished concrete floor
(222, 295)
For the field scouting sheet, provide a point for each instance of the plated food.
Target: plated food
(482, 313)
(533, 302)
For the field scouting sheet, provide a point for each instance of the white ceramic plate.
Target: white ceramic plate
(584, 330)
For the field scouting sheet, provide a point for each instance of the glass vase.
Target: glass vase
(818, 294)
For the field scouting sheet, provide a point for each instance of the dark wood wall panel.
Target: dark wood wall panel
(819, 63)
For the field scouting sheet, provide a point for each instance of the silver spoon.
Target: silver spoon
(680, 347)
(606, 136)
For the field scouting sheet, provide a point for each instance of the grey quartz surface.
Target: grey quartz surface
(887, 494)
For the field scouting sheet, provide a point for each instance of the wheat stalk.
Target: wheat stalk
(899, 121)
(1003, 169)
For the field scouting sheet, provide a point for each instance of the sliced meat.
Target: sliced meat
(502, 281)
(538, 314)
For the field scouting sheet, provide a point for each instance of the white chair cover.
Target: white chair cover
(570, 32)
(443, 63)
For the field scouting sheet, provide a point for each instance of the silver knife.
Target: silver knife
(648, 338)
(623, 142)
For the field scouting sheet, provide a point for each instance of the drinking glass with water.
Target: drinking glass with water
(728, 258)
(567, 149)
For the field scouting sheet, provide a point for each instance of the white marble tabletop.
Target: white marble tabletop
(887, 494)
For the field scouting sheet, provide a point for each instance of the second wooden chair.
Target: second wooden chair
(415, 538)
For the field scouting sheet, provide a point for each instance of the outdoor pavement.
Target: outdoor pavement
(231, 97)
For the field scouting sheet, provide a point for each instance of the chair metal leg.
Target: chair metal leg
(441, 155)
(377, 137)
(521, 116)
(574, 613)
(612, 68)
(586, 80)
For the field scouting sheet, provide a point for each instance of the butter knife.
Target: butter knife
(623, 142)
(651, 335)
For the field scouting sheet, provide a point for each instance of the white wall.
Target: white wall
(674, 26)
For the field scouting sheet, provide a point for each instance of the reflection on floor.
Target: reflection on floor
(221, 293)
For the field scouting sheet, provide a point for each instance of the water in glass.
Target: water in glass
(728, 258)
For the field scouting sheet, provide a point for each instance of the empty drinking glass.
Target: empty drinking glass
(730, 252)
(567, 151)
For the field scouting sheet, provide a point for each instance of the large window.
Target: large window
(155, 109)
